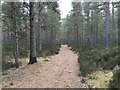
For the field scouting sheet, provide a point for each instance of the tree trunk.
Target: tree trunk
(32, 36)
(13, 6)
(92, 32)
(68, 33)
(47, 39)
(77, 35)
(51, 37)
(82, 32)
(119, 26)
(113, 25)
(88, 22)
(119, 30)
(113, 21)
(40, 29)
(107, 25)
(96, 22)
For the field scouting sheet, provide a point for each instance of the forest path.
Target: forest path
(61, 71)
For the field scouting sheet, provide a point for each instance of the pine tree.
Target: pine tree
(32, 36)
(13, 18)
(107, 25)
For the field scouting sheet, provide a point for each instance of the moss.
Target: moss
(99, 79)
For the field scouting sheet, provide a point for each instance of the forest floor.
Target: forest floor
(57, 71)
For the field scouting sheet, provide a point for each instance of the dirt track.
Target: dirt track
(61, 71)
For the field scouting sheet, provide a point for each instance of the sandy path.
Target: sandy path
(61, 71)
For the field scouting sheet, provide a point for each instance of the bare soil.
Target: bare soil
(58, 71)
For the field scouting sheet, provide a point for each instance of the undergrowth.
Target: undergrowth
(48, 51)
(95, 59)
(115, 83)
(92, 60)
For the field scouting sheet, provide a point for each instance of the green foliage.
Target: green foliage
(88, 62)
(7, 65)
(8, 31)
(46, 51)
(94, 59)
(7, 49)
(23, 52)
(115, 83)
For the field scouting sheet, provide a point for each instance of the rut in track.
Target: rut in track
(61, 71)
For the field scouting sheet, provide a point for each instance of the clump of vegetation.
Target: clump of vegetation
(99, 79)
(96, 59)
(7, 49)
(23, 52)
(115, 83)
(7, 65)
(46, 51)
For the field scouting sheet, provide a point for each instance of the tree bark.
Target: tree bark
(40, 23)
(107, 25)
(13, 6)
(92, 32)
(113, 25)
(113, 21)
(88, 22)
(119, 26)
(32, 36)
(119, 31)
(96, 22)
